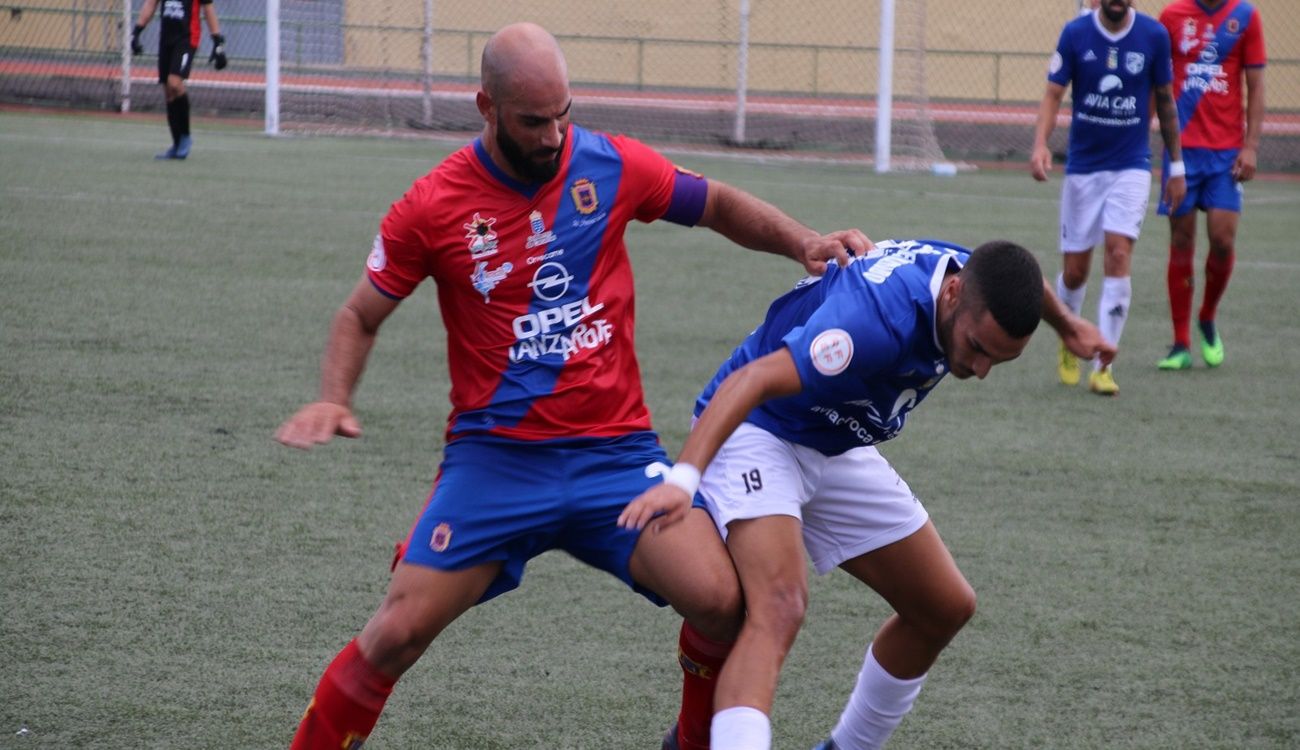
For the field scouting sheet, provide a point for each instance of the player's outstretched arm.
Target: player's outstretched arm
(772, 376)
(756, 224)
(1081, 337)
(351, 337)
(1040, 159)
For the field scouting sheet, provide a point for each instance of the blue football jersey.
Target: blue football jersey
(1112, 77)
(864, 341)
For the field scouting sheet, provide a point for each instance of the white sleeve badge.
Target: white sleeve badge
(831, 351)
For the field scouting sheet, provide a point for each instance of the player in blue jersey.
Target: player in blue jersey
(786, 437)
(1114, 59)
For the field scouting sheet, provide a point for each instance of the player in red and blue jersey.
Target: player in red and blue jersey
(1115, 60)
(1216, 45)
(549, 436)
(178, 39)
(786, 438)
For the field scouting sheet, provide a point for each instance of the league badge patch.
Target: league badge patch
(584, 196)
(377, 259)
(831, 351)
(482, 239)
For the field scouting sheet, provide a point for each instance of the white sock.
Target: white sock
(1073, 298)
(740, 728)
(1112, 309)
(878, 704)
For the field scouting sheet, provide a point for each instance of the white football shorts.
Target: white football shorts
(849, 504)
(1092, 204)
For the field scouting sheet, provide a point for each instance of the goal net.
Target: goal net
(778, 77)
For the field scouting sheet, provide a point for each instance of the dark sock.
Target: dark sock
(173, 123)
(182, 116)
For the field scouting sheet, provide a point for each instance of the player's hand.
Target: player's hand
(1175, 191)
(1040, 163)
(218, 56)
(660, 506)
(836, 247)
(316, 423)
(1243, 169)
(136, 47)
(1084, 340)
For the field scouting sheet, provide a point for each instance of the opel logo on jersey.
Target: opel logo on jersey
(551, 281)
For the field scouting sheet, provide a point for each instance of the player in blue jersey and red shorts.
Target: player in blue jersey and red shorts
(178, 39)
(1216, 45)
(549, 436)
(786, 437)
(1114, 59)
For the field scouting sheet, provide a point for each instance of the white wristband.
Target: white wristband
(685, 476)
(1177, 169)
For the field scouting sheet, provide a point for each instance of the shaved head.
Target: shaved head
(525, 101)
(520, 57)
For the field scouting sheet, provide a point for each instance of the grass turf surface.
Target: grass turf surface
(170, 577)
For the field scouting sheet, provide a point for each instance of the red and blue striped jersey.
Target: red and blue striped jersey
(1211, 47)
(534, 282)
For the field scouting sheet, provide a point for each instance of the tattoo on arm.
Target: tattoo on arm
(1168, 114)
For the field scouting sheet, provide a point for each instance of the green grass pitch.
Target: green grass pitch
(172, 578)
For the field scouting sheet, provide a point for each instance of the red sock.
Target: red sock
(1218, 269)
(346, 705)
(1180, 278)
(701, 659)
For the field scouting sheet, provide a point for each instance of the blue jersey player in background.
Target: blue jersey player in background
(786, 437)
(1115, 59)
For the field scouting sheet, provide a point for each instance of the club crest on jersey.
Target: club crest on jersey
(1233, 26)
(541, 235)
(1112, 58)
(584, 196)
(441, 538)
(485, 281)
(831, 351)
(482, 239)
(1134, 62)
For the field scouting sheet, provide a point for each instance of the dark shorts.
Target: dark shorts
(174, 60)
(1209, 182)
(510, 501)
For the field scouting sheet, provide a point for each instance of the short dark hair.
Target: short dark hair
(1004, 278)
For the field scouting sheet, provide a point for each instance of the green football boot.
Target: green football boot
(1211, 344)
(1179, 359)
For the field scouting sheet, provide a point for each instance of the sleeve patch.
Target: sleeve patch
(377, 259)
(831, 351)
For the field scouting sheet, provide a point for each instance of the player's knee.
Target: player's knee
(720, 614)
(1222, 244)
(943, 619)
(780, 609)
(397, 636)
(1074, 277)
